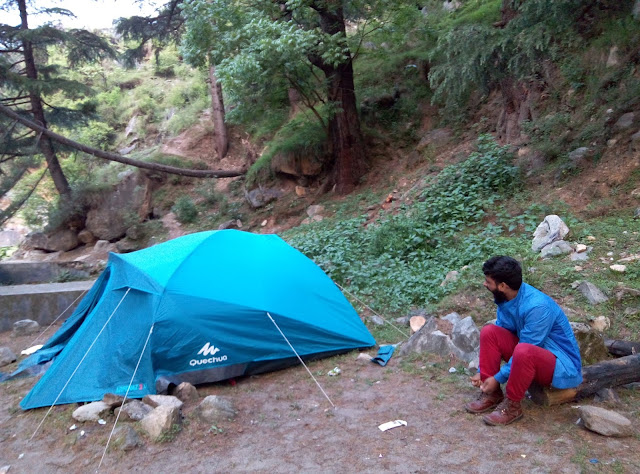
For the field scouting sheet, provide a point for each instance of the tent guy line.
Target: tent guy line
(300, 359)
(55, 320)
(79, 363)
(124, 400)
(369, 308)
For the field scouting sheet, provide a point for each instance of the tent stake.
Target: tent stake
(300, 359)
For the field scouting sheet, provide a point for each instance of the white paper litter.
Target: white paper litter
(334, 371)
(72, 427)
(452, 370)
(102, 422)
(392, 424)
(31, 350)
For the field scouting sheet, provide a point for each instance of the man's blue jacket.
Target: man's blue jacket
(536, 319)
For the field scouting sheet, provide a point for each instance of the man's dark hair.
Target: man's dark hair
(504, 269)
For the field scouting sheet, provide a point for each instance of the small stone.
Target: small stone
(578, 268)
(581, 248)
(263, 223)
(416, 322)
(363, 356)
(376, 320)
(451, 276)
(6, 356)
(186, 392)
(605, 422)
(25, 327)
(591, 238)
(91, 411)
(114, 401)
(155, 401)
(618, 268)
(607, 395)
(601, 323)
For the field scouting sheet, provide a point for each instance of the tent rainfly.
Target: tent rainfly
(194, 309)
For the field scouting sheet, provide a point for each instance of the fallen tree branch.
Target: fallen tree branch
(116, 157)
(620, 348)
(605, 374)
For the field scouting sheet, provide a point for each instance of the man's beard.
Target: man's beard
(499, 296)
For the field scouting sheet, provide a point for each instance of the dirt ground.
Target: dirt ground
(285, 424)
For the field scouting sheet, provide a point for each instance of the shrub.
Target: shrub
(185, 210)
(400, 261)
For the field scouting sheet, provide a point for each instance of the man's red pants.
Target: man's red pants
(529, 362)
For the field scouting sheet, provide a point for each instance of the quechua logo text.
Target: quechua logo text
(208, 353)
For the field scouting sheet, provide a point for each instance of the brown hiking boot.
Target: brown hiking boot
(507, 412)
(485, 402)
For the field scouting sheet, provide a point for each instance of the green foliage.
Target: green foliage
(6, 252)
(479, 56)
(400, 260)
(185, 210)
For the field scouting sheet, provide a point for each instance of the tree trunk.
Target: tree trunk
(294, 101)
(622, 348)
(345, 138)
(59, 179)
(217, 106)
(516, 109)
(508, 11)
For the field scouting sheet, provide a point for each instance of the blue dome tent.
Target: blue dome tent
(194, 309)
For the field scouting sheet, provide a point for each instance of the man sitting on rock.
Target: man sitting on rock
(534, 337)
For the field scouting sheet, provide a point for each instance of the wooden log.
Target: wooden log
(609, 373)
(622, 348)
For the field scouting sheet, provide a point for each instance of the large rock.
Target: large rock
(605, 422)
(62, 240)
(25, 327)
(552, 228)
(435, 342)
(162, 400)
(10, 238)
(160, 421)
(593, 294)
(134, 410)
(554, 249)
(91, 411)
(186, 392)
(420, 339)
(625, 121)
(294, 165)
(126, 205)
(114, 401)
(591, 344)
(465, 335)
(261, 197)
(214, 409)
(6, 356)
(126, 438)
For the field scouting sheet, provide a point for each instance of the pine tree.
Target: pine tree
(27, 81)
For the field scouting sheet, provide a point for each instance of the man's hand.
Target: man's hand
(476, 381)
(490, 385)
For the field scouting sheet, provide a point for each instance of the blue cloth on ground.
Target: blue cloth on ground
(384, 354)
